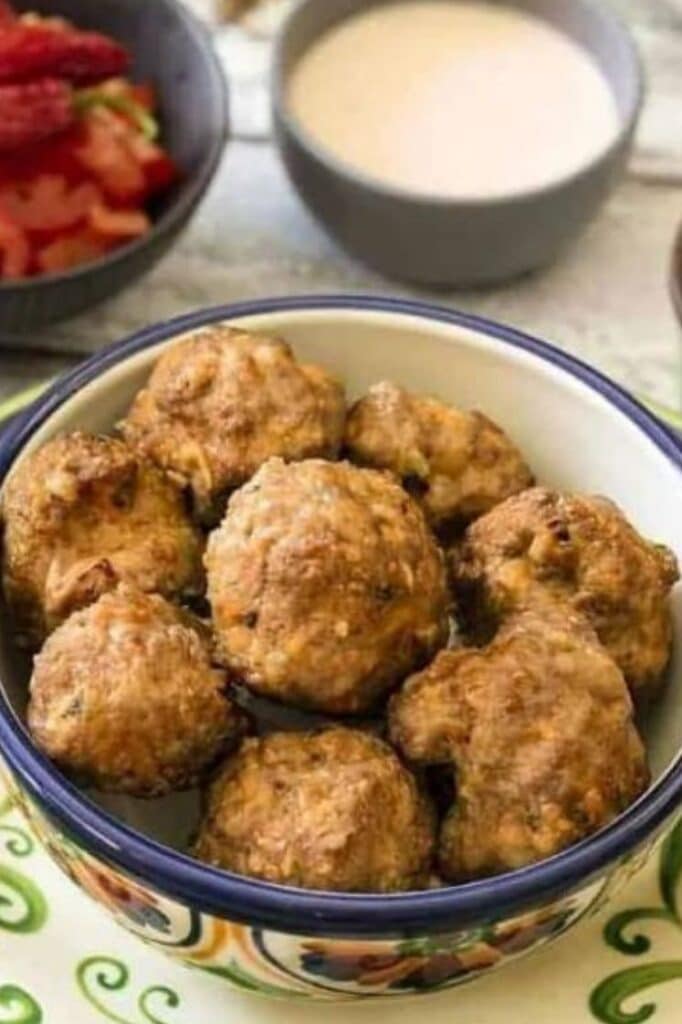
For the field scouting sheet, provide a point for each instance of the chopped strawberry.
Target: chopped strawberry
(70, 251)
(33, 111)
(106, 155)
(7, 14)
(144, 95)
(15, 251)
(118, 223)
(160, 170)
(46, 204)
(29, 51)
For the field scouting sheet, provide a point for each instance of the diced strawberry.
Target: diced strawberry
(28, 51)
(107, 156)
(160, 170)
(33, 111)
(145, 95)
(15, 251)
(46, 204)
(160, 173)
(118, 223)
(70, 251)
(7, 14)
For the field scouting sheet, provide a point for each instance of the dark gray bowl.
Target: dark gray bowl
(172, 50)
(444, 241)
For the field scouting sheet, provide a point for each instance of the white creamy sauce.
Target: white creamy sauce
(453, 99)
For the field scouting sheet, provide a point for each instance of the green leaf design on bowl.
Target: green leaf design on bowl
(606, 1001)
(23, 908)
(97, 976)
(18, 842)
(18, 1007)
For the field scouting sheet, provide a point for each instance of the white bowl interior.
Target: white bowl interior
(572, 436)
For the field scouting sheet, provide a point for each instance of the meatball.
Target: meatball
(326, 585)
(581, 548)
(83, 513)
(330, 810)
(220, 403)
(539, 728)
(124, 696)
(459, 464)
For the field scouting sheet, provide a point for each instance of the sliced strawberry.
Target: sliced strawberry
(7, 14)
(29, 51)
(56, 155)
(33, 111)
(160, 170)
(46, 204)
(105, 153)
(70, 251)
(118, 224)
(144, 94)
(15, 251)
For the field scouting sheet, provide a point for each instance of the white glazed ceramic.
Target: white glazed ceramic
(579, 432)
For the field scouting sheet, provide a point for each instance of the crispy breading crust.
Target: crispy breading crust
(325, 584)
(334, 810)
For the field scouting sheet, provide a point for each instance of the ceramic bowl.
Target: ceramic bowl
(580, 431)
(450, 241)
(172, 50)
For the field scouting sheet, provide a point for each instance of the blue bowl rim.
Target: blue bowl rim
(195, 185)
(307, 912)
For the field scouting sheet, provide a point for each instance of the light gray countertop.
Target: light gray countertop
(606, 299)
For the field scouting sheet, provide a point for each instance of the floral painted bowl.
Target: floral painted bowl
(580, 431)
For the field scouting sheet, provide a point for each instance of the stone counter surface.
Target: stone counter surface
(606, 299)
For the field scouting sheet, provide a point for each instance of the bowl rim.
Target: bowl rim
(308, 912)
(284, 119)
(189, 196)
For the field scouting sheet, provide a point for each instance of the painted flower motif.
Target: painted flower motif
(122, 896)
(434, 961)
(119, 894)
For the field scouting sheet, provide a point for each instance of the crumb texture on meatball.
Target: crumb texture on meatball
(326, 585)
(124, 696)
(459, 464)
(334, 810)
(221, 402)
(581, 548)
(82, 514)
(540, 730)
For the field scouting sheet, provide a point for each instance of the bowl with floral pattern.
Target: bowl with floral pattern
(581, 432)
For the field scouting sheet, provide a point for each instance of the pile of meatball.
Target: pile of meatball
(477, 645)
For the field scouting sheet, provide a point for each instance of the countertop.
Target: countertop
(606, 299)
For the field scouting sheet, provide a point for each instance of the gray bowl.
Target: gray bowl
(172, 50)
(449, 241)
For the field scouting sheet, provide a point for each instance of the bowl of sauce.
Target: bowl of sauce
(455, 141)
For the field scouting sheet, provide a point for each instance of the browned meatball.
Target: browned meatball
(125, 697)
(539, 726)
(83, 513)
(326, 585)
(331, 810)
(459, 464)
(220, 403)
(583, 549)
